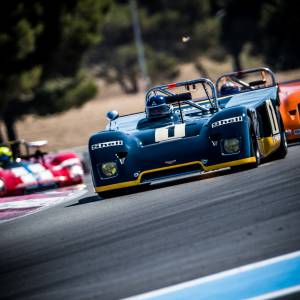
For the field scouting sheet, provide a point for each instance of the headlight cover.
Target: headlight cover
(109, 169)
(231, 145)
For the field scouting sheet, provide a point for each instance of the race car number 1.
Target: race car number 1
(170, 132)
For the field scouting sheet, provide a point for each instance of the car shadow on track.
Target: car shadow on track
(86, 200)
(294, 143)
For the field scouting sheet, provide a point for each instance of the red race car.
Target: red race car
(289, 93)
(36, 170)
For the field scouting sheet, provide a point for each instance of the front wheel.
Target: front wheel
(254, 152)
(281, 152)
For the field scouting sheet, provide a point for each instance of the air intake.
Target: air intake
(171, 173)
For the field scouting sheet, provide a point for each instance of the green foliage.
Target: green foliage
(161, 66)
(207, 39)
(270, 27)
(60, 94)
(239, 26)
(280, 25)
(116, 56)
(42, 44)
(164, 25)
(41, 41)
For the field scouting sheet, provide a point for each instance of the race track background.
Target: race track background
(88, 248)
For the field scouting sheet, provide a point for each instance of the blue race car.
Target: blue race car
(190, 127)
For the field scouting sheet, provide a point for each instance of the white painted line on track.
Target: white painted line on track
(47, 199)
(210, 278)
(277, 294)
(31, 203)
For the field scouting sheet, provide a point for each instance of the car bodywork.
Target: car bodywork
(39, 170)
(195, 142)
(289, 93)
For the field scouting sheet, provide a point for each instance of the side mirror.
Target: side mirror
(111, 116)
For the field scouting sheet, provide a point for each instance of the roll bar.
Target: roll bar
(165, 89)
(238, 74)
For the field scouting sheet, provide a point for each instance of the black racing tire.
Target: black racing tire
(281, 152)
(254, 152)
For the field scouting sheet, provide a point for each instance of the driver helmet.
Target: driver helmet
(157, 106)
(229, 88)
(5, 154)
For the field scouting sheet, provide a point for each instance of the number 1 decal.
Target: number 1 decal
(167, 133)
(272, 117)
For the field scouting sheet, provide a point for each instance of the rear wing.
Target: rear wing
(247, 80)
(191, 92)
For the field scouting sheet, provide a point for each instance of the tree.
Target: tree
(42, 43)
(166, 26)
(270, 27)
(280, 25)
(239, 26)
(116, 56)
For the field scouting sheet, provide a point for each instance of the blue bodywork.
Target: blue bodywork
(142, 155)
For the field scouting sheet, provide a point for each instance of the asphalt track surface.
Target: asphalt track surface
(90, 248)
